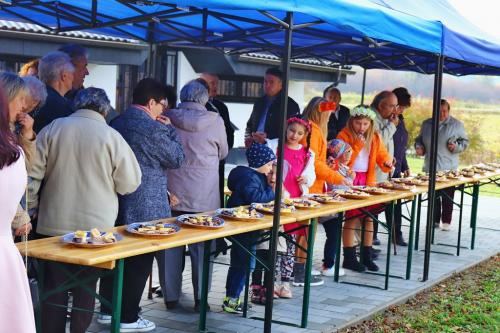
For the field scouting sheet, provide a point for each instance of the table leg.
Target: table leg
(473, 217)
(307, 284)
(460, 219)
(202, 325)
(417, 227)
(410, 240)
(337, 250)
(116, 309)
(38, 310)
(390, 225)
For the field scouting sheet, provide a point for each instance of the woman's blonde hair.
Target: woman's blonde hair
(368, 134)
(312, 113)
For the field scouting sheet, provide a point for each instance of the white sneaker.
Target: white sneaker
(331, 271)
(445, 227)
(315, 272)
(104, 319)
(141, 325)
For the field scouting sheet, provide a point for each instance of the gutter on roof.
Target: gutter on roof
(293, 64)
(65, 39)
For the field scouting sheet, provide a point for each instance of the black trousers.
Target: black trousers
(54, 317)
(135, 274)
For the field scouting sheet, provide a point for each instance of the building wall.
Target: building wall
(104, 77)
(238, 112)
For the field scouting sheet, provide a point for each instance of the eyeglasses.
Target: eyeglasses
(163, 103)
(392, 106)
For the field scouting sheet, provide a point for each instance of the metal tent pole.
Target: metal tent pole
(363, 87)
(438, 81)
(285, 63)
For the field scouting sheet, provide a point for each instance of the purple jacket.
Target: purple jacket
(400, 142)
(203, 137)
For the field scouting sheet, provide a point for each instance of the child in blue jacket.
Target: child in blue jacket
(248, 185)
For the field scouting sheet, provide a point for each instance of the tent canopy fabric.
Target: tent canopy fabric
(369, 33)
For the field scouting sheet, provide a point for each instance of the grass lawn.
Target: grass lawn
(466, 302)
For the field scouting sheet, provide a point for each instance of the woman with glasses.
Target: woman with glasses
(385, 105)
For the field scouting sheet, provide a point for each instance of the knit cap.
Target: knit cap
(259, 154)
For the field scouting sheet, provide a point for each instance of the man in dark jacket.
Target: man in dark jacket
(56, 71)
(157, 148)
(265, 117)
(338, 119)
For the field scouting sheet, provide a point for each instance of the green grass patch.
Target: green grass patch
(466, 302)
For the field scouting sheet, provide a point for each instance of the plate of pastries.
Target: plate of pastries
(244, 214)
(305, 203)
(91, 239)
(327, 198)
(201, 221)
(352, 194)
(287, 207)
(373, 190)
(411, 181)
(395, 186)
(153, 229)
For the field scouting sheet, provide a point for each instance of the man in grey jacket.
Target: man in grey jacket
(452, 140)
(84, 165)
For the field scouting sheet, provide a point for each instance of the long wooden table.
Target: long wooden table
(110, 257)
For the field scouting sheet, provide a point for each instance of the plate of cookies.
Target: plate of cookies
(243, 214)
(152, 229)
(91, 239)
(201, 221)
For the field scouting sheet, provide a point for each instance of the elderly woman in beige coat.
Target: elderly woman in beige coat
(195, 183)
(84, 164)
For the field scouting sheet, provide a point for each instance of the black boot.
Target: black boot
(350, 260)
(367, 253)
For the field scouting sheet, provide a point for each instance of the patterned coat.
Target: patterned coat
(157, 149)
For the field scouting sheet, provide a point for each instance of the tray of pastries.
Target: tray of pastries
(485, 167)
(305, 203)
(453, 175)
(394, 186)
(244, 214)
(373, 190)
(91, 239)
(352, 194)
(327, 198)
(152, 229)
(412, 181)
(287, 207)
(201, 221)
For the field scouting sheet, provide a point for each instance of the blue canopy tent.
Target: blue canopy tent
(369, 33)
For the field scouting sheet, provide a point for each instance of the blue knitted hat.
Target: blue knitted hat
(259, 154)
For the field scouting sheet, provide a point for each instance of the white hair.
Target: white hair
(12, 85)
(52, 65)
(92, 99)
(36, 89)
(194, 91)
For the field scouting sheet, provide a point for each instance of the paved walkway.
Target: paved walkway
(335, 305)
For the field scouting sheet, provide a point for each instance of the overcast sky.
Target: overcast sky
(483, 13)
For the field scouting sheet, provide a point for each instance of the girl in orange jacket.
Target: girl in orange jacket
(368, 151)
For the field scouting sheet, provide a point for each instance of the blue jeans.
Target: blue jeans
(332, 229)
(241, 262)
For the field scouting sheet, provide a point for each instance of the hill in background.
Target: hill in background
(482, 89)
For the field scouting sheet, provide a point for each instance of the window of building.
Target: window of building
(240, 89)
